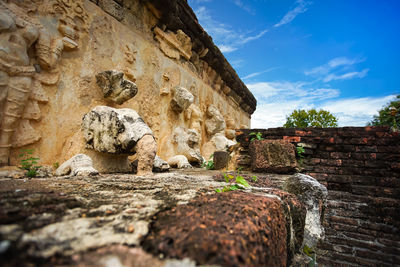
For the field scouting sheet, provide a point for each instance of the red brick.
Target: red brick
(293, 139)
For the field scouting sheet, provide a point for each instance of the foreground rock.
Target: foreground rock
(93, 220)
(314, 195)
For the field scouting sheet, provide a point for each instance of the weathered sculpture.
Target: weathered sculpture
(181, 100)
(115, 87)
(215, 122)
(187, 143)
(120, 131)
(16, 73)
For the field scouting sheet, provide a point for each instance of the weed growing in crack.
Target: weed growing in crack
(257, 136)
(235, 182)
(209, 164)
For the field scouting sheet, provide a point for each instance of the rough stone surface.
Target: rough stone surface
(114, 131)
(70, 215)
(213, 233)
(115, 87)
(274, 156)
(78, 165)
(93, 220)
(187, 143)
(221, 159)
(180, 162)
(314, 196)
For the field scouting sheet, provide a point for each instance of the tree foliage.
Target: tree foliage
(301, 118)
(389, 115)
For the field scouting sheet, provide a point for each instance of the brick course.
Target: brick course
(361, 168)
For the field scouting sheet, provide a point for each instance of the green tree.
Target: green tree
(389, 115)
(301, 118)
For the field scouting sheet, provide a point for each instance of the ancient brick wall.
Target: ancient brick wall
(361, 168)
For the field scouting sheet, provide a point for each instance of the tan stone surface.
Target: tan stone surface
(79, 40)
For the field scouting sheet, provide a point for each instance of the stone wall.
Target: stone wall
(361, 169)
(70, 42)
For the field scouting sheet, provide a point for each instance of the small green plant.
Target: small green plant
(209, 164)
(235, 182)
(28, 162)
(56, 165)
(310, 253)
(257, 136)
(254, 178)
(300, 151)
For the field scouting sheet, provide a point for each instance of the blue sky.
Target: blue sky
(338, 55)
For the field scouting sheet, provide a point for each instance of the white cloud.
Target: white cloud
(276, 100)
(346, 76)
(338, 69)
(251, 75)
(226, 48)
(245, 7)
(356, 111)
(301, 7)
(237, 63)
(226, 38)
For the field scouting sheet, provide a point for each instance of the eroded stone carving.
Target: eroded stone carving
(187, 144)
(230, 129)
(217, 143)
(120, 131)
(174, 45)
(115, 87)
(215, 122)
(194, 116)
(180, 162)
(78, 165)
(28, 58)
(16, 75)
(170, 78)
(182, 99)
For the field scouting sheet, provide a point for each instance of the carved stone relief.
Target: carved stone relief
(181, 99)
(174, 45)
(170, 78)
(21, 76)
(115, 87)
